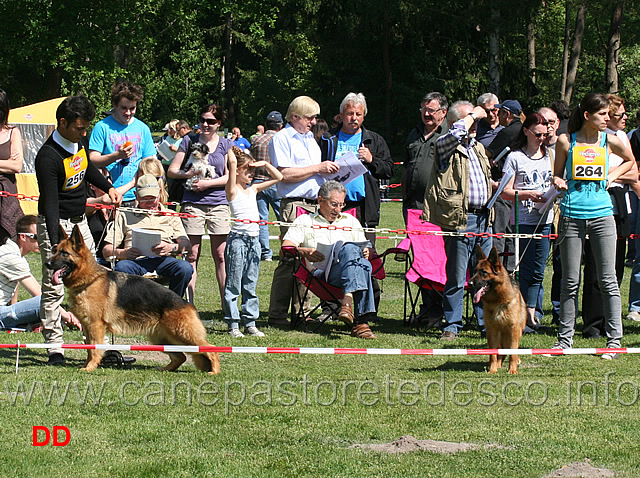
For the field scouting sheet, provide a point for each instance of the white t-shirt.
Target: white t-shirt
(531, 175)
(13, 268)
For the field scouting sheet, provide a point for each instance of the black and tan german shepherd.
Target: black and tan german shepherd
(505, 311)
(125, 304)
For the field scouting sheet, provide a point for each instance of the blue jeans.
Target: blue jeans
(461, 256)
(352, 273)
(603, 237)
(265, 198)
(242, 264)
(177, 271)
(533, 260)
(21, 313)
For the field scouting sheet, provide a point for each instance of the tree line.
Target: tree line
(255, 56)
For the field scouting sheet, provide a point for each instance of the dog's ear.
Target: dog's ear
(77, 240)
(479, 254)
(62, 233)
(494, 259)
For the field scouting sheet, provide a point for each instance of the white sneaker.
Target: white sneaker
(254, 332)
(610, 356)
(634, 315)
(556, 346)
(235, 333)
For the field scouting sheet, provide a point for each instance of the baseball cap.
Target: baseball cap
(147, 186)
(166, 127)
(275, 116)
(510, 105)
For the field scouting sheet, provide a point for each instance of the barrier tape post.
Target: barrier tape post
(17, 356)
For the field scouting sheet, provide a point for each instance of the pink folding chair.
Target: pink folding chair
(426, 264)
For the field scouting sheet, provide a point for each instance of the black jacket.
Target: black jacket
(380, 168)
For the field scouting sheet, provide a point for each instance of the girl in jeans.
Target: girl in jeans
(242, 253)
(582, 170)
(532, 179)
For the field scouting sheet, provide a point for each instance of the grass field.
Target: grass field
(292, 415)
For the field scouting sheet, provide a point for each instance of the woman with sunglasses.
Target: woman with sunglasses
(583, 171)
(207, 201)
(532, 167)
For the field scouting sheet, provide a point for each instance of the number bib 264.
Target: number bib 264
(589, 163)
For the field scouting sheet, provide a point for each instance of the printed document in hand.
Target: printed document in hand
(549, 198)
(145, 240)
(165, 151)
(330, 253)
(350, 168)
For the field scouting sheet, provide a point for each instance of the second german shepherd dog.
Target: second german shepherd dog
(505, 312)
(126, 304)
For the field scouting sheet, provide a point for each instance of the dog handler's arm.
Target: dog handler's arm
(562, 152)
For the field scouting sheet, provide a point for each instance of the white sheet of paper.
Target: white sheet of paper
(350, 168)
(508, 174)
(145, 240)
(165, 151)
(549, 197)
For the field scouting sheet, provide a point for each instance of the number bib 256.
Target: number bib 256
(75, 167)
(589, 163)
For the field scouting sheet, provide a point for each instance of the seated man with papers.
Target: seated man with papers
(344, 261)
(148, 242)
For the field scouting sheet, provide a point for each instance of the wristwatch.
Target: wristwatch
(474, 116)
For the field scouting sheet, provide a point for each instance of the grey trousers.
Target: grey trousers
(602, 234)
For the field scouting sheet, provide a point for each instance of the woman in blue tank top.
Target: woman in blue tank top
(581, 170)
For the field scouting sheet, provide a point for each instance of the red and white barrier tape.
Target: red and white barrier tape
(324, 350)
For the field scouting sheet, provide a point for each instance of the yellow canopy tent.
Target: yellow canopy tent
(36, 123)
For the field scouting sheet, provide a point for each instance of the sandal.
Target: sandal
(363, 331)
(346, 315)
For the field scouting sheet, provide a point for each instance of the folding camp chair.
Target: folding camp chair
(426, 267)
(306, 283)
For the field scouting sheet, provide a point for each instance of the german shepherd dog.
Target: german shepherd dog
(125, 304)
(505, 312)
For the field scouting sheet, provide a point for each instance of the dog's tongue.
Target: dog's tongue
(478, 295)
(56, 277)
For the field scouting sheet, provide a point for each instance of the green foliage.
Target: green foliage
(393, 51)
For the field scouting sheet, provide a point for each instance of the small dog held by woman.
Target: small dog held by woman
(198, 161)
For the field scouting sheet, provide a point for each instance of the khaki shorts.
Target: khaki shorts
(212, 220)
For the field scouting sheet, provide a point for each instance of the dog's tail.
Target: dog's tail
(207, 362)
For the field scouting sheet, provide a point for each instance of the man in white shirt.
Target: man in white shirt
(295, 152)
(350, 270)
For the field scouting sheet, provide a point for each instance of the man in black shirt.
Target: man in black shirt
(509, 114)
(63, 170)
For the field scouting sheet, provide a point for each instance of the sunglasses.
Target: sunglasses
(621, 115)
(210, 121)
(538, 135)
(30, 235)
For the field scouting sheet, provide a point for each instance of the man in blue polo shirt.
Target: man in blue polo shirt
(120, 141)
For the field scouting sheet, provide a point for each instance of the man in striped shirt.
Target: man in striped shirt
(456, 198)
(14, 270)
